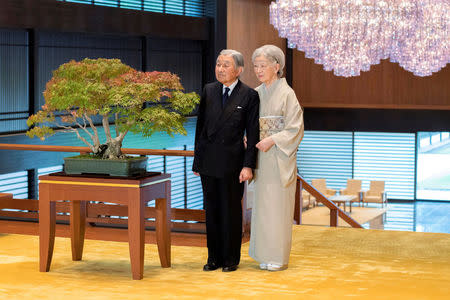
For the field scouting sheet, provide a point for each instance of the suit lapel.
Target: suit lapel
(231, 103)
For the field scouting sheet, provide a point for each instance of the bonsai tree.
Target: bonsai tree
(140, 102)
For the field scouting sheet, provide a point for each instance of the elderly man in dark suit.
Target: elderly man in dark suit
(228, 110)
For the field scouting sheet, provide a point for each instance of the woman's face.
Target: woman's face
(265, 70)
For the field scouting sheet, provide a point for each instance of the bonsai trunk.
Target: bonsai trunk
(113, 149)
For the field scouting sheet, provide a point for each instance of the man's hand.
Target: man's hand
(246, 174)
(196, 174)
(265, 144)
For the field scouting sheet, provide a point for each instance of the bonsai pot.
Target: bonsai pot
(83, 164)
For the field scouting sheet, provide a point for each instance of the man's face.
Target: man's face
(226, 71)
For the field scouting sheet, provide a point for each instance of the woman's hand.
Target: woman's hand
(265, 144)
(245, 141)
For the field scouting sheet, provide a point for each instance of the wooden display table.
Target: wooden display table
(134, 192)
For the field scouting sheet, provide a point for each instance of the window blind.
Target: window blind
(193, 8)
(389, 157)
(326, 154)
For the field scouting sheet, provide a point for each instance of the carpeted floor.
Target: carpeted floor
(326, 263)
(320, 215)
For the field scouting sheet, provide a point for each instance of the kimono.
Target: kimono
(275, 177)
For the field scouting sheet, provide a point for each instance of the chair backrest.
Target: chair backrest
(354, 185)
(320, 184)
(376, 186)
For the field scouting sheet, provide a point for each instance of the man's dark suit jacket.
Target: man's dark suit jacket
(219, 146)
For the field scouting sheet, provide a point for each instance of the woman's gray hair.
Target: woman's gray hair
(237, 57)
(273, 54)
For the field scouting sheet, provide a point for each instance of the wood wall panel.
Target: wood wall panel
(386, 85)
(247, 29)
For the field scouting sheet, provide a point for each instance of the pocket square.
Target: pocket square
(238, 107)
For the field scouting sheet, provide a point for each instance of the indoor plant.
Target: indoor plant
(81, 93)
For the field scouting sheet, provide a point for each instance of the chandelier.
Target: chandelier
(348, 36)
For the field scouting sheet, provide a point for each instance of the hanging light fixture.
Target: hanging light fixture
(427, 48)
(348, 36)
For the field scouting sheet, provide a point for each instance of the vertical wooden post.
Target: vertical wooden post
(298, 202)
(333, 217)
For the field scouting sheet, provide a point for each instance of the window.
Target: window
(433, 166)
(15, 183)
(326, 154)
(389, 157)
(192, 8)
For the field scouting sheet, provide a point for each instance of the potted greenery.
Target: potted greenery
(81, 93)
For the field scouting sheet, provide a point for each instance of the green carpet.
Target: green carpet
(326, 263)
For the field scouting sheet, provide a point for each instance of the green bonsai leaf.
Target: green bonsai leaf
(40, 132)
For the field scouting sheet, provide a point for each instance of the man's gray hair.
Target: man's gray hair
(236, 55)
(273, 54)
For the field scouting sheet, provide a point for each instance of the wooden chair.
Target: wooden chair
(321, 186)
(354, 189)
(376, 193)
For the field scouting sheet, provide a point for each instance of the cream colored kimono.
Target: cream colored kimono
(275, 178)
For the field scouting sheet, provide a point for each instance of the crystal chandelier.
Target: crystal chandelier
(348, 36)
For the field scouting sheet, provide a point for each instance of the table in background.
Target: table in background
(134, 192)
(338, 199)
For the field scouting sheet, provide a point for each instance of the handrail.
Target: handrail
(87, 149)
(334, 209)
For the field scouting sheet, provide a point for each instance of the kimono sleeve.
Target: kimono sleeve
(288, 139)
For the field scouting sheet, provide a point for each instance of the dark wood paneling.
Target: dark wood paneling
(73, 17)
(386, 85)
(376, 120)
(248, 28)
(56, 48)
(180, 57)
(14, 96)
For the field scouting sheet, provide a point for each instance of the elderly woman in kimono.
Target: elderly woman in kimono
(281, 124)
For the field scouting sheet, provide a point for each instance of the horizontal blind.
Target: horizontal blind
(15, 183)
(389, 157)
(192, 8)
(131, 4)
(175, 167)
(154, 5)
(194, 185)
(112, 3)
(326, 154)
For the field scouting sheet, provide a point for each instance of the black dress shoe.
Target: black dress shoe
(230, 268)
(210, 267)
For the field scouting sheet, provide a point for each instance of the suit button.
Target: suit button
(223, 141)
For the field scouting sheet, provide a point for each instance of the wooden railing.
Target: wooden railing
(335, 211)
(98, 211)
(87, 150)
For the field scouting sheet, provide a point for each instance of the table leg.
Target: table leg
(163, 224)
(136, 232)
(47, 221)
(77, 228)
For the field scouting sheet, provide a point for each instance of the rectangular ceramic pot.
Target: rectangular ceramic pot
(112, 167)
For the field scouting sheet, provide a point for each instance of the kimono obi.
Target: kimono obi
(270, 125)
